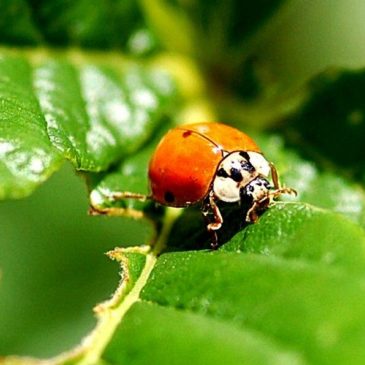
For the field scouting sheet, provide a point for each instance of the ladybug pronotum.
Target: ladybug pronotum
(205, 163)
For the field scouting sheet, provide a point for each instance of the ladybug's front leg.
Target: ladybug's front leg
(210, 208)
(257, 207)
(120, 195)
(116, 211)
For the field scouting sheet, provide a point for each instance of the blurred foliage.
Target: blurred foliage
(98, 84)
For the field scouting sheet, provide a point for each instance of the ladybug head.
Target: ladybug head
(240, 176)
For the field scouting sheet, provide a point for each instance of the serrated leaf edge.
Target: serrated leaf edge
(111, 313)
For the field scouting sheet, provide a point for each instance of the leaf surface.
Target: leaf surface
(27, 156)
(308, 297)
(188, 337)
(271, 295)
(91, 114)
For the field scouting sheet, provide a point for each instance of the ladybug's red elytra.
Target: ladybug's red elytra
(204, 163)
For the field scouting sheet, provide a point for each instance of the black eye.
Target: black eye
(246, 199)
(236, 174)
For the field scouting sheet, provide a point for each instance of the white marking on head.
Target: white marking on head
(233, 172)
(259, 162)
(226, 189)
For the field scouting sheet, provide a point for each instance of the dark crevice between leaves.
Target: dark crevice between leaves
(284, 231)
(329, 127)
(189, 232)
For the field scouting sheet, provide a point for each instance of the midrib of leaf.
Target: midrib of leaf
(113, 311)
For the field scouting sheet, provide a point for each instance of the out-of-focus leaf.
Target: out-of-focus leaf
(16, 25)
(322, 187)
(110, 24)
(216, 32)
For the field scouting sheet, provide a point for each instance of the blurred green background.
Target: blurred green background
(53, 270)
(53, 267)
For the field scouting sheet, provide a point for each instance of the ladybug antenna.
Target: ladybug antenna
(277, 186)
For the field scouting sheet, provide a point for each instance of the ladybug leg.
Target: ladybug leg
(258, 206)
(120, 195)
(117, 211)
(114, 212)
(211, 208)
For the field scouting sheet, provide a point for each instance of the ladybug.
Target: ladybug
(205, 163)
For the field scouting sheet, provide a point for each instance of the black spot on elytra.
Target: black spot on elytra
(169, 197)
(187, 134)
(222, 172)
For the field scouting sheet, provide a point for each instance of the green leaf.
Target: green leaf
(322, 187)
(307, 298)
(131, 175)
(16, 25)
(27, 156)
(161, 335)
(91, 114)
(97, 115)
(318, 312)
(287, 290)
(214, 31)
(112, 24)
(290, 230)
